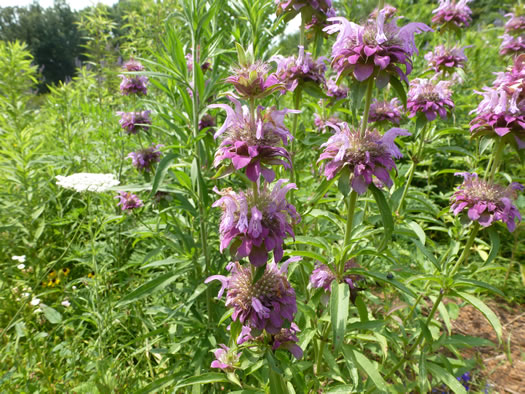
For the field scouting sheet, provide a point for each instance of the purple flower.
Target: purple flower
(379, 45)
(133, 122)
(133, 65)
(206, 121)
(254, 225)
(323, 276)
(133, 84)
(464, 380)
(486, 202)
(322, 122)
(501, 113)
(516, 24)
(445, 59)
(389, 12)
(316, 12)
(452, 14)
(385, 111)
(292, 71)
(287, 339)
(252, 81)
(512, 45)
(225, 359)
(430, 98)
(128, 201)
(365, 156)
(144, 159)
(337, 92)
(264, 305)
(253, 143)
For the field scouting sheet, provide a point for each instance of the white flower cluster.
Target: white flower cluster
(87, 181)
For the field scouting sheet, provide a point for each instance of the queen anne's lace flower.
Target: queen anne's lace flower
(452, 14)
(253, 143)
(133, 122)
(128, 201)
(225, 359)
(292, 71)
(429, 98)
(385, 111)
(365, 156)
(264, 305)
(144, 159)
(379, 45)
(254, 225)
(446, 60)
(84, 181)
(502, 111)
(486, 202)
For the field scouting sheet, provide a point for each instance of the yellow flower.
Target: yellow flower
(91, 275)
(52, 274)
(65, 271)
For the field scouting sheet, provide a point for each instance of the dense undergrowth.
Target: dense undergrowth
(107, 299)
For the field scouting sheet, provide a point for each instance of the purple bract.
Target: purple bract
(264, 305)
(486, 202)
(365, 156)
(225, 359)
(385, 111)
(287, 339)
(452, 14)
(133, 65)
(253, 143)
(133, 122)
(128, 201)
(206, 121)
(321, 123)
(337, 92)
(144, 159)
(323, 276)
(379, 45)
(429, 98)
(133, 84)
(253, 81)
(292, 71)
(254, 225)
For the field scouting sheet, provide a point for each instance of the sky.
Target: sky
(74, 4)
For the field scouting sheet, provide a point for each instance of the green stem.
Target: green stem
(352, 199)
(413, 165)
(381, 5)
(297, 105)
(202, 209)
(368, 101)
(500, 146)
(467, 250)
(319, 361)
(301, 33)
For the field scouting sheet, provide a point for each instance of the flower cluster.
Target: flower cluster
(207, 122)
(133, 84)
(253, 81)
(452, 14)
(314, 13)
(502, 110)
(225, 359)
(84, 181)
(133, 122)
(292, 71)
(251, 140)
(128, 201)
(446, 60)
(486, 202)
(378, 45)
(511, 45)
(515, 24)
(365, 155)
(429, 98)
(334, 91)
(322, 122)
(385, 111)
(144, 159)
(263, 305)
(252, 225)
(388, 10)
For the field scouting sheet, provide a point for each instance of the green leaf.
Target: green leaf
(148, 288)
(386, 214)
(400, 89)
(366, 366)
(344, 181)
(495, 242)
(361, 309)
(418, 230)
(160, 173)
(427, 253)
(383, 278)
(207, 378)
(321, 190)
(52, 315)
(339, 300)
(446, 377)
(485, 310)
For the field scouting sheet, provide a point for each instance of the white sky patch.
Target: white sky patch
(74, 4)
